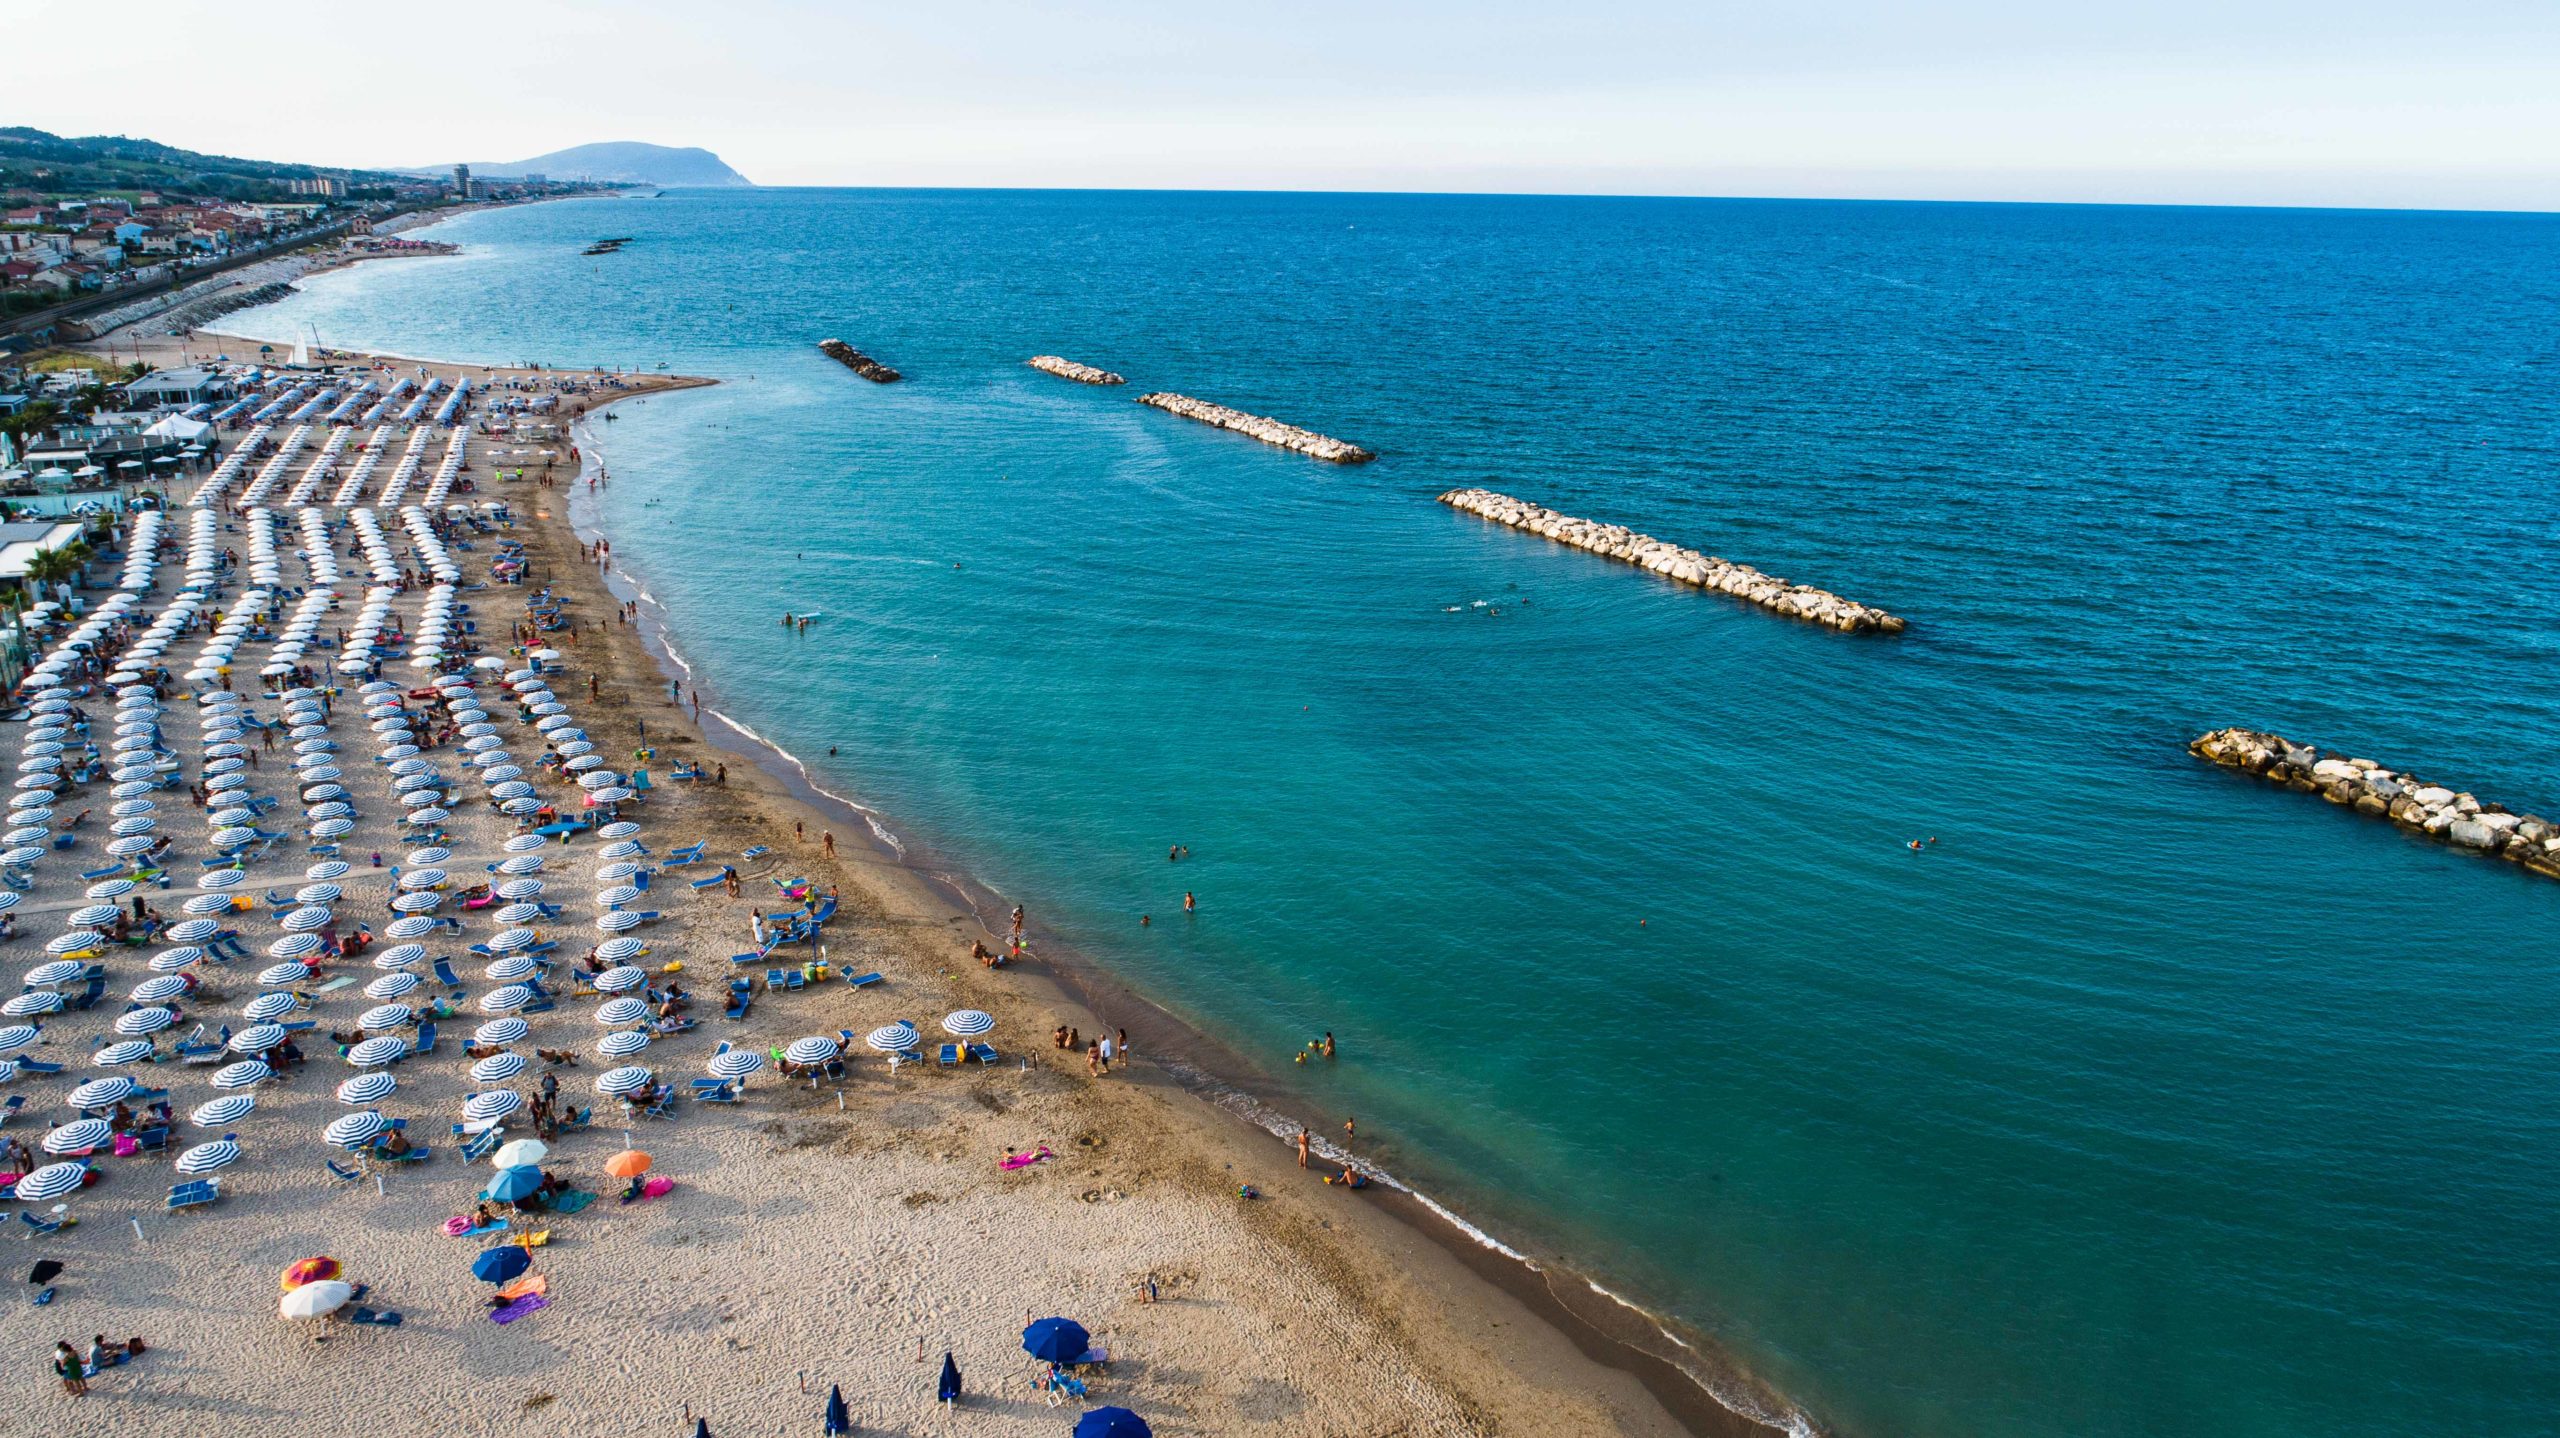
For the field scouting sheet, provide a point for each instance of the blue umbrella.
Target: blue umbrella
(1056, 1340)
(499, 1264)
(838, 1421)
(514, 1183)
(1112, 1423)
(949, 1389)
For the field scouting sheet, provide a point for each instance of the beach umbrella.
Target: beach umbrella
(621, 829)
(30, 1005)
(355, 1130)
(103, 1093)
(60, 971)
(18, 1036)
(206, 1157)
(419, 903)
(512, 968)
(308, 919)
(206, 904)
(276, 975)
(387, 1016)
(159, 990)
(628, 1164)
(616, 896)
(524, 843)
(623, 1043)
(366, 1089)
(520, 890)
(193, 931)
(811, 1050)
(269, 1006)
(421, 878)
(215, 880)
(294, 946)
(506, 1000)
(308, 1270)
(948, 1390)
(622, 1011)
(79, 941)
(331, 829)
(518, 915)
(54, 1180)
(145, 1021)
(509, 940)
(223, 1112)
(315, 1300)
(258, 1038)
(79, 1136)
(318, 894)
(526, 805)
(736, 1063)
(392, 986)
(616, 980)
(372, 1053)
(506, 1262)
(491, 1106)
(497, 1068)
(508, 1185)
(620, 951)
(1112, 1423)
(519, 1153)
(501, 1031)
(521, 864)
(245, 1074)
(400, 956)
(894, 1038)
(967, 1023)
(410, 926)
(616, 920)
(1056, 1340)
(95, 916)
(133, 1051)
(627, 1080)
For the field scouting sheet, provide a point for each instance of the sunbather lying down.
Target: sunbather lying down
(563, 1057)
(1012, 1161)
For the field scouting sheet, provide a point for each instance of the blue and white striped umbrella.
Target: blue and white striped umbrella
(509, 940)
(522, 863)
(893, 1038)
(204, 904)
(735, 1064)
(622, 1043)
(387, 1016)
(492, 1105)
(354, 1130)
(967, 1023)
(270, 1006)
(617, 1082)
(132, 1051)
(620, 849)
(332, 828)
(526, 805)
(511, 968)
(60, 971)
(294, 946)
(328, 869)
(418, 903)
(279, 975)
(318, 894)
(614, 981)
(501, 1031)
(392, 986)
(620, 951)
(159, 990)
(223, 1112)
(617, 920)
(143, 1022)
(103, 1093)
(413, 926)
(811, 1050)
(622, 1011)
(329, 810)
(373, 1053)
(234, 837)
(24, 1006)
(620, 829)
(511, 789)
(422, 878)
(95, 916)
(192, 931)
(520, 890)
(497, 1068)
(308, 919)
(79, 1136)
(516, 916)
(218, 879)
(54, 1180)
(616, 896)
(421, 818)
(506, 1000)
(18, 1036)
(400, 956)
(248, 1073)
(430, 856)
(124, 848)
(524, 843)
(79, 941)
(367, 1089)
(257, 1038)
(206, 1157)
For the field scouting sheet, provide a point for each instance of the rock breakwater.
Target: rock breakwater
(2417, 805)
(1081, 373)
(1687, 566)
(858, 362)
(1269, 431)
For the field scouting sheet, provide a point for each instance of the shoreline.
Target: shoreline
(1606, 1328)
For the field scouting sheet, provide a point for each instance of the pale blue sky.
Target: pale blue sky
(2352, 103)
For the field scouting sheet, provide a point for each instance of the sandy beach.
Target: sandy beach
(844, 1234)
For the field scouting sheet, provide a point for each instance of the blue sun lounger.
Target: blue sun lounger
(194, 1193)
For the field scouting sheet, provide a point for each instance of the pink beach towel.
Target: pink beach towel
(1024, 1160)
(657, 1187)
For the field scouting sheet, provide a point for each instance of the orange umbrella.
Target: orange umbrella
(630, 1163)
(308, 1270)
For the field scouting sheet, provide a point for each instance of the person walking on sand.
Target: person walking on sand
(67, 1367)
(1093, 1059)
(827, 842)
(1304, 1138)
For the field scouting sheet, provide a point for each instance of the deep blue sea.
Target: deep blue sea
(2149, 1100)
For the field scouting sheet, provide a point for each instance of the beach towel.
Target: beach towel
(334, 985)
(374, 1317)
(532, 1285)
(533, 1240)
(1024, 1160)
(518, 1308)
(572, 1201)
(125, 1146)
(467, 1231)
(657, 1187)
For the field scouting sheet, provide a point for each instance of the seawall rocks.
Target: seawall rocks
(1269, 431)
(858, 362)
(1081, 373)
(2415, 804)
(1688, 566)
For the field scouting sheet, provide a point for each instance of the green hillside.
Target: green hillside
(51, 164)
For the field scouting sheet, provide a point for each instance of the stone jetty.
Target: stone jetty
(1269, 431)
(858, 362)
(1688, 566)
(1081, 373)
(2417, 805)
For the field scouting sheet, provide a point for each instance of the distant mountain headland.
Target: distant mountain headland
(626, 162)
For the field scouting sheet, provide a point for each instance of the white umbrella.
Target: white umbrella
(316, 1300)
(520, 1153)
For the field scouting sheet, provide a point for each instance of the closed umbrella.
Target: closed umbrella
(838, 1420)
(948, 1390)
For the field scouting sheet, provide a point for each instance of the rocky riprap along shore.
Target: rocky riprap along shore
(858, 362)
(1081, 373)
(1269, 431)
(2459, 819)
(1688, 566)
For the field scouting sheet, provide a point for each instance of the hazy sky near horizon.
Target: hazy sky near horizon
(2348, 103)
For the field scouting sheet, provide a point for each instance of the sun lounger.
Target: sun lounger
(37, 1066)
(862, 981)
(17, 1103)
(88, 997)
(713, 882)
(445, 974)
(480, 1145)
(426, 1039)
(194, 1193)
(341, 1172)
(983, 1053)
(689, 854)
(740, 1000)
(152, 1140)
(39, 1227)
(758, 852)
(950, 1055)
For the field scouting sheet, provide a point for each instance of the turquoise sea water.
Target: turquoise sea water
(2148, 1101)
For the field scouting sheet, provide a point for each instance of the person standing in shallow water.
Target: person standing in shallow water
(1304, 1138)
